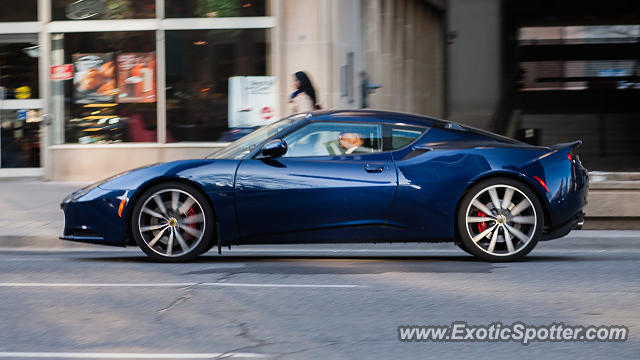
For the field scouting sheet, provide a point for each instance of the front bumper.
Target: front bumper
(93, 218)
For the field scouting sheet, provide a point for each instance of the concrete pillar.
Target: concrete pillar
(404, 55)
(410, 55)
(372, 28)
(398, 43)
(474, 60)
(315, 37)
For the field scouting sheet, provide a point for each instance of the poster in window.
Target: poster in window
(136, 77)
(94, 80)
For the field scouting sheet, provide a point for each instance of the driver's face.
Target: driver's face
(349, 140)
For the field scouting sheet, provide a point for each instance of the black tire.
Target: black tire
(502, 218)
(184, 226)
(209, 247)
(463, 247)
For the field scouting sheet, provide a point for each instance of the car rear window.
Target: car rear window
(399, 136)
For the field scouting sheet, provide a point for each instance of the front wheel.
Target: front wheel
(463, 247)
(172, 222)
(500, 220)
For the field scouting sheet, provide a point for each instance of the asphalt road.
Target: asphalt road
(313, 301)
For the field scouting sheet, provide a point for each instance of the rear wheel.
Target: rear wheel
(500, 220)
(172, 222)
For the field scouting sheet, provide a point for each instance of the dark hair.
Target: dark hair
(306, 86)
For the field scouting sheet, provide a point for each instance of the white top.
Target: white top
(302, 103)
(351, 149)
(361, 149)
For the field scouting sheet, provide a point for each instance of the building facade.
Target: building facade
(549, 72)
(93, 87)
(89, 88)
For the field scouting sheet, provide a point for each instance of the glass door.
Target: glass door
(19, 103)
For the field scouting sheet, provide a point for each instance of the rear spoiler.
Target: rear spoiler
(569, 145)
(560, 151)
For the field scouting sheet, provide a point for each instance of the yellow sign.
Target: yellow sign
(23, 92)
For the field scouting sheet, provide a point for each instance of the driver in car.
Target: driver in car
(352, 144)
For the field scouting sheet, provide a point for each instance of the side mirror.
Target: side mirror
(274, 148)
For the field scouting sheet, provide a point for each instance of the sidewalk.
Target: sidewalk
(30, 210)
(613, 201)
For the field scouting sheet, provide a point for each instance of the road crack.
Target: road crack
(185, 296)
(244, 333)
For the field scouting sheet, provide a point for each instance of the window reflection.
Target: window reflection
(242, 147)
(102, 9)
(19, 66)
(214, 8)
(199, 65)
(25, 10)
(112, 96)
(19, 138)
(334, 138)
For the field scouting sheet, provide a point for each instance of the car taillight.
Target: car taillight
(570, 157)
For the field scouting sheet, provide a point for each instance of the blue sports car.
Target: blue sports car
(342, 176)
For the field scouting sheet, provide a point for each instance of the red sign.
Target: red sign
(266, 113)
(61, 72)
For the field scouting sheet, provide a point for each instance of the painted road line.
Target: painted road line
(424, 252)
(97, 355)
(283, 285)
(301, 251)
(99, 249)
(171, 285)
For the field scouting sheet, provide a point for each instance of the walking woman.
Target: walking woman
(304, 98)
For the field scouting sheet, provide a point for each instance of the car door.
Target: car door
(321, 182)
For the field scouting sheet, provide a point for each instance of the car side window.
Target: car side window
(334, 138)
(399, 136)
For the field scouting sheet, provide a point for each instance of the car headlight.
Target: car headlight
(85, 190)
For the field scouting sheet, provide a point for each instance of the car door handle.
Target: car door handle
(374, 168)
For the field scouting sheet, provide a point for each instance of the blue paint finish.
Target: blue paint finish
(431, 184)
(294, 194)
(217, 178)
(568, 185)
(213, 177)
(343, 198)
(95, 214)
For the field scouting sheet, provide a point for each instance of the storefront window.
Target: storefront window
(112, 96)
(199, 67)
(103, 9)
(19, 138)
(25, 10)
(19, 66)
(214, 8)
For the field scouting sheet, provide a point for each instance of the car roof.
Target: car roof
(376, 115)
(391, 117)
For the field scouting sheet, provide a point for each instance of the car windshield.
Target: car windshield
(243, 146)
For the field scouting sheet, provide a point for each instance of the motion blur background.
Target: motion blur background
(542, 71)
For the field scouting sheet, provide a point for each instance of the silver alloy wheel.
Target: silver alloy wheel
(171, 222)
(501, 220)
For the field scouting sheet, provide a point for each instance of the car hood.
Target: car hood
(133, 179)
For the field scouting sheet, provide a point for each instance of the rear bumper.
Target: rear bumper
(568, 183)
(575, 223)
